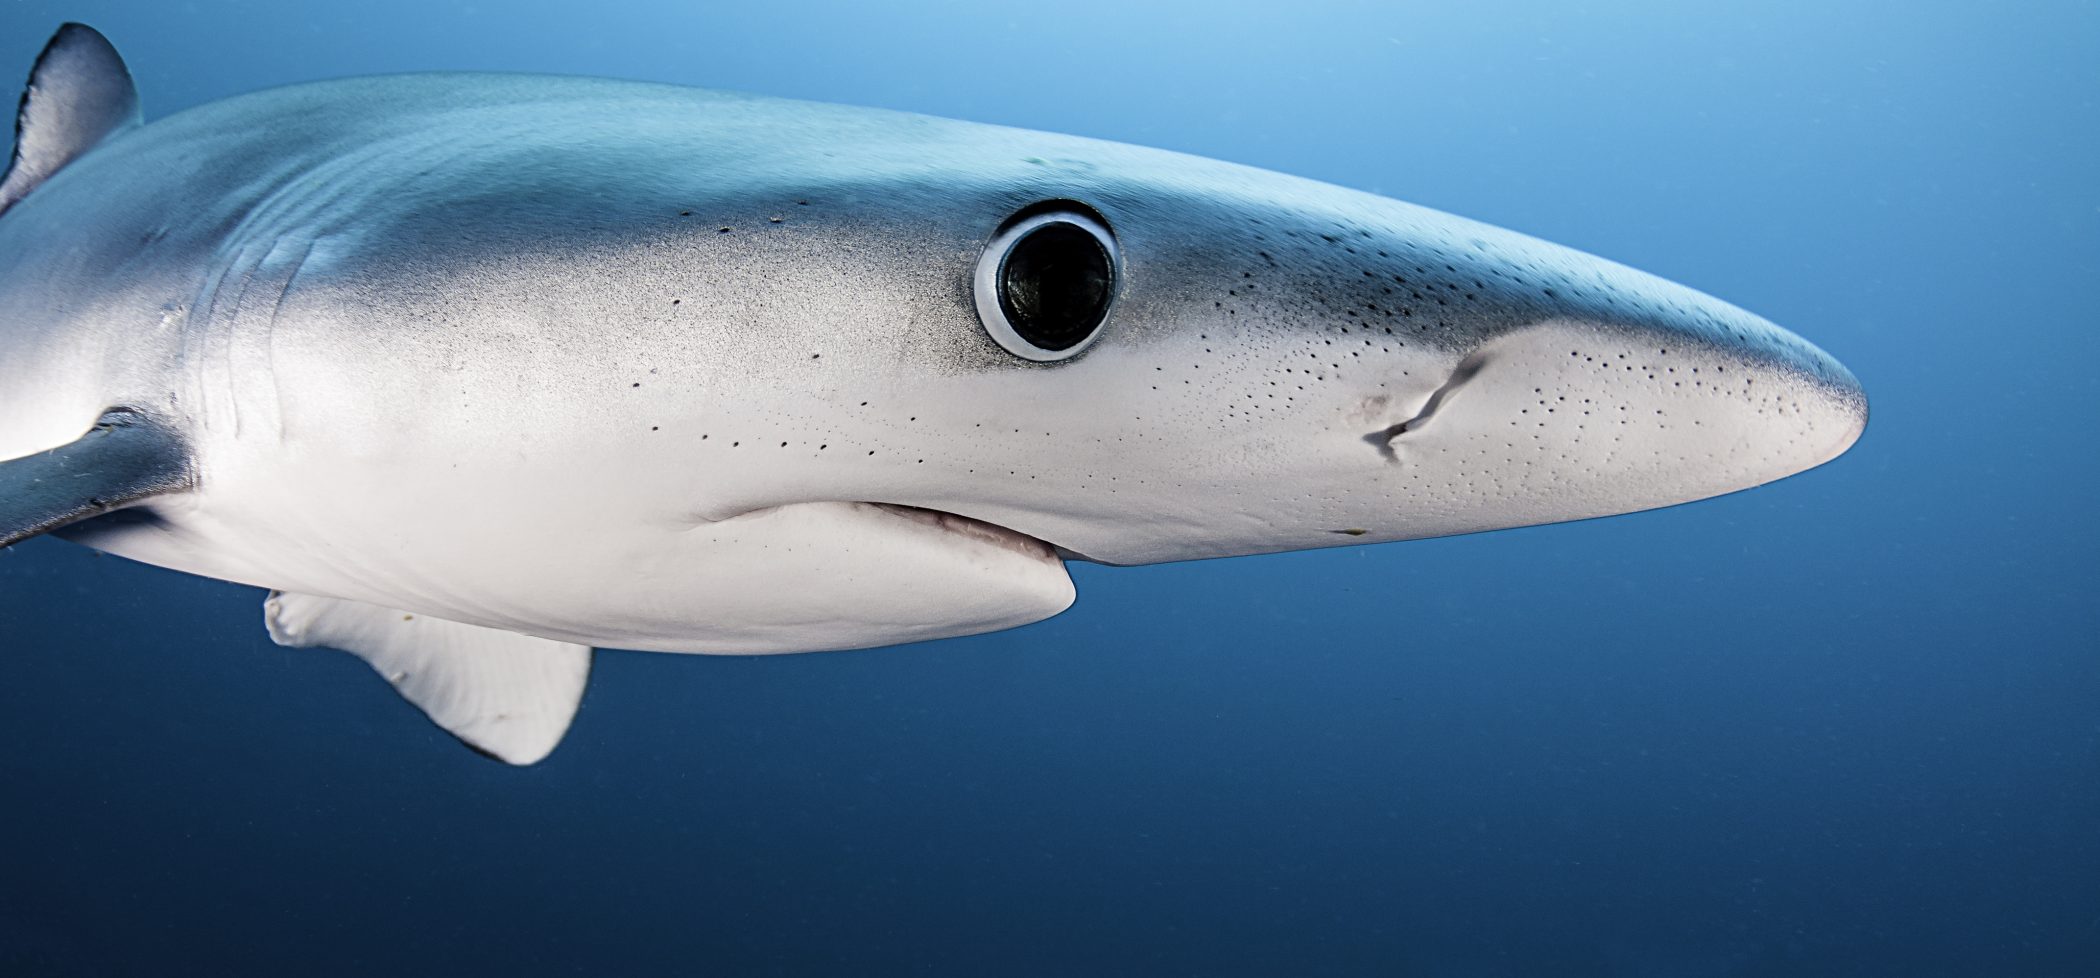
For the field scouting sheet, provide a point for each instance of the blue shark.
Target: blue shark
(477, 373)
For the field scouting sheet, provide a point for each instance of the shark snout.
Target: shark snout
(1665, 384)
(1670, 408)
(1789, 405)
(1830, 412)
(1571, 418)
(1835, 398)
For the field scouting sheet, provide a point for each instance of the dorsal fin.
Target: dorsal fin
(79, 94)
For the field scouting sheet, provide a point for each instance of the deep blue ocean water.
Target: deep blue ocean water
(1845, 724)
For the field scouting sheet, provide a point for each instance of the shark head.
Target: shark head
(1136, 356)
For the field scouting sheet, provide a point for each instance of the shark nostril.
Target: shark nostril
(1467, 369)
(1382, 439)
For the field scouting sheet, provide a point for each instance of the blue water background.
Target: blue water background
(1846, 724)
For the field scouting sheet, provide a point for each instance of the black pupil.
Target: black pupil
(1054, 285)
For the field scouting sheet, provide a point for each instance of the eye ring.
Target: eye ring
(1045, 284)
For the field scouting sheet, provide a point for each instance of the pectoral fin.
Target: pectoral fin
(124, 458)
(506, 695)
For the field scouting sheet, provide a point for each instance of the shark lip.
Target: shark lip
(975, 529)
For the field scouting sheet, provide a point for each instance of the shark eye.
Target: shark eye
(1045, 283)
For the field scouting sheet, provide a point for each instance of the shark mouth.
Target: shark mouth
(972, 529)
(885, 517)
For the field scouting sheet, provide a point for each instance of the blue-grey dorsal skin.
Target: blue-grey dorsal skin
(611, 363)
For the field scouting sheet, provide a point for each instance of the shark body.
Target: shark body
(478, 372)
